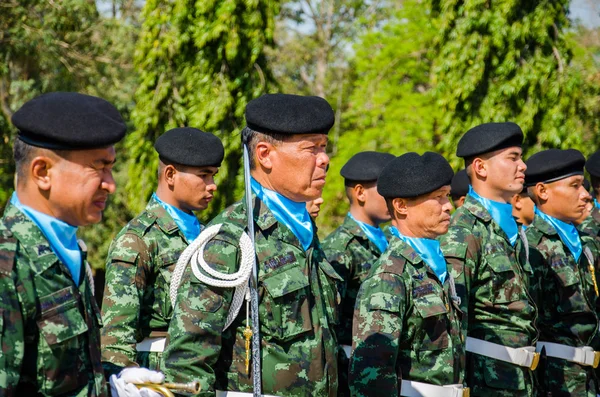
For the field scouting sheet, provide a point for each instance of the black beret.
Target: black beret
(289, 114)
(489, 137)
(592, 165)
(411, 175)
(69, 121)
(552, 165)
(460, 184)
(587, 186)
(365, 166)
(191, 147)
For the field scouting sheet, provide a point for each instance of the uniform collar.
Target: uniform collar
(373, 234)
(501, 213)
(429, 250)
(161, 216)
(566, 231)
(187, 223)
(33, 241)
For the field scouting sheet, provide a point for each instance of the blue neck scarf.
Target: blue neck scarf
(501, 213)
(373, 233)
(187, 223)
(429, 250)
(61, 236)
(292, 214)
(566, 231)
(596, 203)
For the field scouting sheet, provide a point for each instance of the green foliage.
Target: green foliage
(389, 107)
(510, 60)
(200, 64)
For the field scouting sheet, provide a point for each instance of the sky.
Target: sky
(587, 11)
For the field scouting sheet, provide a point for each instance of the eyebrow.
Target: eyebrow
(104, 161)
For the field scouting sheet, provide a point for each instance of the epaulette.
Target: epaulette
(393, 264)
(463, 219)
(140, 225)
(534, 236)
(8, 248)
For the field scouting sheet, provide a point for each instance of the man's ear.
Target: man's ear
(39, 171)
(359, 193)
(479, 167)
(541, 191)
(263, 153)
(517, 202)
(169, 173)
(400, 206)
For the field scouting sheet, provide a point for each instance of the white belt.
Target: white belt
(522, 356)
(348, 350)
(221, 393)
(418, 389)
(581, 355)
(155, 345)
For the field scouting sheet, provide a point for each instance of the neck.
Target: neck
(358, 214)
(36, 200)
(554, 214)
(405, 229)
(166, 196)
(485, 191)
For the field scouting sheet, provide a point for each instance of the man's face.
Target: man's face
(314, 207)
(506, 170)
(566, 198)
(193, 187)
(299, 166)
(375, 206)
(523, 208)
(80, 185)
(428, 216)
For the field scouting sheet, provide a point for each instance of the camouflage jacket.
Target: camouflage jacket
(591, 224)
(298, 308)
(351, 254)
(566, 298)
(406, 326)
(49, 327)
(492, 280)
(136, 302)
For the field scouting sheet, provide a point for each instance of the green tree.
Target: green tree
(511, 60)
(200, 63)
(389, 108)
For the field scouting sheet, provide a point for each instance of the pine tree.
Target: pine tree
(200, 64)
(510, 60)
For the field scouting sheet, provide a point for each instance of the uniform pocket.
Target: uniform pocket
(331, 295)
(62, 343)
(571, 298)
(166, 266)
(434, 330)
(287, 303)
(505, 286)
(502, 375)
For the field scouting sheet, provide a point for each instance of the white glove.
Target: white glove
(123, 385)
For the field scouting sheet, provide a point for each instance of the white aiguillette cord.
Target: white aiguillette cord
(194, 255)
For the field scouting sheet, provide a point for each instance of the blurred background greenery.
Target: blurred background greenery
(410, 75)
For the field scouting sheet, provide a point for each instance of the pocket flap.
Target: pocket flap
(169, 258)
(454, 250)
(566, 276)
(500, 263)
(283, 283)
(430, 305)
(384, 301)
(62, 326)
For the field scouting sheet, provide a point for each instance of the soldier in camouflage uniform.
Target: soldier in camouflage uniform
(354, 246)
(488, 259)
(296, 285)
(564, 263)
(407, 326)
(49, 320)
(591, 225)
(136, 309)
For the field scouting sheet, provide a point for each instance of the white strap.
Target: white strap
(522, 356)
(221, 393)
(194, 254)
(348, 350)
(155, 345)
(581, 355)
(418, 389)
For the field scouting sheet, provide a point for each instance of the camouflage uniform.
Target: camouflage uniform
(406, 326)
(136, 301)
(351, 254)
(297, 308)
(566, 299)
(591, 224)
(492, 280)
(49, 326)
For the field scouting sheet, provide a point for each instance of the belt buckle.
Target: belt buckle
(466, 392)
(596, 359)
(536, 361)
